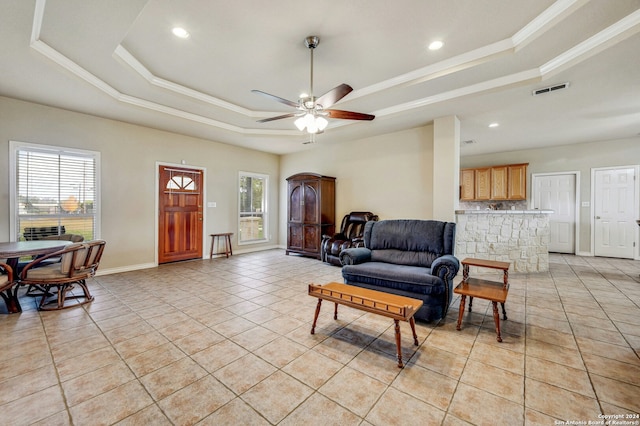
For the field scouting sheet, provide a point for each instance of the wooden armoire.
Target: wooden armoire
(311, 212)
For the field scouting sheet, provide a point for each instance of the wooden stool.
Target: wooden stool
(491, 290)
(227, 244)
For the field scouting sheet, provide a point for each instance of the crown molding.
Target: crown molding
(614, 33)
(551, 16)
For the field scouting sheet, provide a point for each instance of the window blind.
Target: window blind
(55, 193)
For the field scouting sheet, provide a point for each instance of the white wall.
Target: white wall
(578, 157)
(389, 175)
(128, 157)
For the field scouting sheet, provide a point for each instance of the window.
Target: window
(253, 208)
(55, 189)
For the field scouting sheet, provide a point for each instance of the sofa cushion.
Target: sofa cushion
(414, 279)
(409, 242)
(423, 259)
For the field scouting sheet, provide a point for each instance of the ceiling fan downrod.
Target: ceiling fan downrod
(311, 42)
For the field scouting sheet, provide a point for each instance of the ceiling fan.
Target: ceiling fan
(311, 110)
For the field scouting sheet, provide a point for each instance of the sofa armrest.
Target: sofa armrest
(354, 256)
(446, 267)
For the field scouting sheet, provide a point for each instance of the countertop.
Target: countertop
(485, 211)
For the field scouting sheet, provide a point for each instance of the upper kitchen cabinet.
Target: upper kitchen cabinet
(467, 185)
(508, 182)
(483, 184)
(517, 182)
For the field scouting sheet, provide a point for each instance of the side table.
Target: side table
(226, 236)
(490, 290)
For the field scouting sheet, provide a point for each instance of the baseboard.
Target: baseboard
(130, 268)
(584, 253)
(255, 249)
(127, 268)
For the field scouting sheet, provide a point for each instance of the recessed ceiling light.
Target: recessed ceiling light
(494, 125)
(435, 45)
(180, 32)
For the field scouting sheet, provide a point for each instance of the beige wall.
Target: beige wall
(390, 175)
(579, 157)
(128, 158)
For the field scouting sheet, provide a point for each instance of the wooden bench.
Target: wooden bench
(377, 302)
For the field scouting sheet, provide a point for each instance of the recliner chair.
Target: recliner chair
(350, 235)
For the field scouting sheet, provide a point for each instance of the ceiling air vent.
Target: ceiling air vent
(550, 88)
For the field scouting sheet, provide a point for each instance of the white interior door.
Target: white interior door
(558, 193)
(614, 212)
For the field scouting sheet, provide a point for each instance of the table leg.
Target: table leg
(230, 248)
(335, 312)
(470, 303)
(461, 311)
(398, 343)
(211, 251)
(504, 312)
(11, 300)
(496, 319)
(412, 322)
(315, 318)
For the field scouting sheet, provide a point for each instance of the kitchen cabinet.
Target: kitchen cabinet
(483, 184)
(467, 185)
(311, 212)
(517, 182)
(506, 182)
(499, 177)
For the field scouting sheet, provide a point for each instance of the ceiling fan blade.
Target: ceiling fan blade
(349, 115)
(264, 120)
(334, 95)
(276, 98)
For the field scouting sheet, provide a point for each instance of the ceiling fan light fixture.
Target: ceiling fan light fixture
(312, 123)
(300, 123)
(322, 123)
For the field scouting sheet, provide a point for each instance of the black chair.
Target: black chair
(350, 235)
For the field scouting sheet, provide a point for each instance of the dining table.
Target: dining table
(13, 251)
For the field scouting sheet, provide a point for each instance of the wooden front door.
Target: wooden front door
(180, 214)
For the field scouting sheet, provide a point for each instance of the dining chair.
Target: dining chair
(6, 282)
(79, 261)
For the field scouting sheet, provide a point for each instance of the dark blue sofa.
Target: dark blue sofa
(411, 258)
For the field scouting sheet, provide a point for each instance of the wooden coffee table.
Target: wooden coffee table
(490, 290)
(377, 302)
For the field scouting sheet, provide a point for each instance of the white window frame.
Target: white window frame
(14, 147)
(265, 208)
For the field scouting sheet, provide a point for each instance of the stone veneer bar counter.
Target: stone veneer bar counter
(517, 236)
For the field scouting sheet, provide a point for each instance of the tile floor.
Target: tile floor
(226, 341)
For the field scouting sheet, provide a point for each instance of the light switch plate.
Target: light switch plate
(585, 204)
(211, 204)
